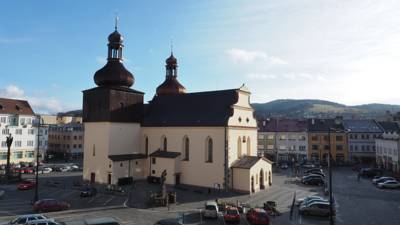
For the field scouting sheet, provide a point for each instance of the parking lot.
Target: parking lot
(357, 202)
(16, 202)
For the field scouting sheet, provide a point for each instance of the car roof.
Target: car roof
(211, 203)
(260, 210)
(29, 215)
(39, 221)
(318, 202)
(101, 220)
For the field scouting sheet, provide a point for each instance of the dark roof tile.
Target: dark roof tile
(15, 106)
(125, 157)
(165, 154)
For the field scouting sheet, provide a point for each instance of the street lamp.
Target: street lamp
(36, 196)
(9, 141)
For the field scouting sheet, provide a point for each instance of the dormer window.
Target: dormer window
(17, 107)
(1, 107)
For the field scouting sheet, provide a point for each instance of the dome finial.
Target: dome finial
(171, 45)
(116, 22)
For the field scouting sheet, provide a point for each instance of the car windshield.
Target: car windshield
(210, 207)
(231, 212)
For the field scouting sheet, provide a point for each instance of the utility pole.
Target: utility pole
(331, 220)
(36, 196)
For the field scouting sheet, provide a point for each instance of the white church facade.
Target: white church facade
(206, 139)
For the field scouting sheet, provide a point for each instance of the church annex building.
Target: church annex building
(206, 139)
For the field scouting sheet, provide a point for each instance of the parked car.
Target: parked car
(313, 170)
(88, 192)
(381, 179)
(313, 180)
(45, 170)
(101, 221)
(65, 169)
(211, 210)
(389, 184)
(168, 222)
(284, 166)
(22, 219)
(257, 216)
(50, 205)
(26, 185)
(42, 222)
(370, 172)
(316, 173)
(316, 209)
(231, 215)
(308, 165)
(306, 199)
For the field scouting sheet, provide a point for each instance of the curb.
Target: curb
(51, 214)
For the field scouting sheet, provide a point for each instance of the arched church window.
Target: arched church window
(146, 145)
(248, 146)
(209, 150)
(164, 143)
(239, 147)
(186, 144)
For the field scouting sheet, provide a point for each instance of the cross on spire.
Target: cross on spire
(116, 22)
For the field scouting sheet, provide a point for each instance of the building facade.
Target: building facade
(286, 138)
(17, 119)
(361, 139)
(65, 141)
(387, 151)
(324, 136)
(206, 139)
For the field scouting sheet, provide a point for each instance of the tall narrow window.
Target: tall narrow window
(146, 145)
(209, 150)
(186, 144)
(164, 143)
(94, 150)
(239, 147)
(248, 146)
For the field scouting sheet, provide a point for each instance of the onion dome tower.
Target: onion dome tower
(113, 100)
(171, 85)
(114, 73)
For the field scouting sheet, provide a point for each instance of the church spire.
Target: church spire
(171, 85)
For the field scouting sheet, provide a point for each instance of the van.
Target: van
(211, 210)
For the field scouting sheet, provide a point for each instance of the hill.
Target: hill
(306, 108)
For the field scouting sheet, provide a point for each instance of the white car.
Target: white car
(25, 218)
(389, 184)
(381, 179)
(308, 198)
(211, 210)
(42, 222)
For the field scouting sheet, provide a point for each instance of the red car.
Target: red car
(232, 215)
(257, 216)
(26, 185)
(50, 205)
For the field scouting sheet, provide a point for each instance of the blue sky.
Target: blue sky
(344, 51)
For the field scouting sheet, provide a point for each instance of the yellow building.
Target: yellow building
(324, 136)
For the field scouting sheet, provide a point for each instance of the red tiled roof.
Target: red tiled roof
(15, 106)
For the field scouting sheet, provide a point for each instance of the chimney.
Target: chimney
(312, 121)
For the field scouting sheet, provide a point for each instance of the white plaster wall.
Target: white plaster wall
(135, 170)
(233, 136)
(124, 138)
(167, 164)
(255, 172)
(195, 171)
(96, 137)
(241, 179)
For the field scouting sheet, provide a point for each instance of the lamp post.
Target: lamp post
(331, 220)
(36, 196)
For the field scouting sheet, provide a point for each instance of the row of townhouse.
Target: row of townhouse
(388, 147)
(298, 140)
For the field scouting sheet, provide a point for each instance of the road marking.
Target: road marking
(93, 198)
(109, 200)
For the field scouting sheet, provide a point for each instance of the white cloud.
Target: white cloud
(242, 55)
(260, 76)
(101, 60)
(42, 104)
(12, 91)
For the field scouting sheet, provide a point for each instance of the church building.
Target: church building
(206, 139)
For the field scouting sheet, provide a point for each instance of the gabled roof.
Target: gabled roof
(246, 162)
(125, 157)
(282, 125)
(361, 126)
(15, 106)
(211, 108)
(389, 127)
(165, 154)
(323, 125)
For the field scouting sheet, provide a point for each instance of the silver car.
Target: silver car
(316, 208)
(389, 184)
(23, 219)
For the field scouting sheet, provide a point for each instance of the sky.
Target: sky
(342, 51)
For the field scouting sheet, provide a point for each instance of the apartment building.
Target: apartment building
(361, 139)
(65, 141)
(327, 135)
(17, 119)
(387, 147)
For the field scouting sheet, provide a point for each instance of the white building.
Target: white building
(206, 139)
(387, 152)
(17, 119)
